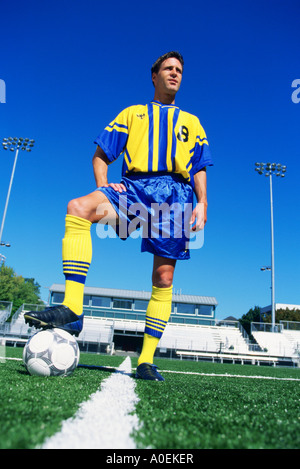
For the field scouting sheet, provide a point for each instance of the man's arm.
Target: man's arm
(199, 214)
(100, 165)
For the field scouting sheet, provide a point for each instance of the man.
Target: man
(165, 157)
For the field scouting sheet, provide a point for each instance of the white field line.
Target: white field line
(224, 375)
(227, 375)
(11, 358)
(106, 420)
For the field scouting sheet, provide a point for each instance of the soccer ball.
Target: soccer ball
(51, 352)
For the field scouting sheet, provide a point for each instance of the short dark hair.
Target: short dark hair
(156, 66)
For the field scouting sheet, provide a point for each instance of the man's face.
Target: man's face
(168, 79)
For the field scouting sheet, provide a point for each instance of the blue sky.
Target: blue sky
(70, 67)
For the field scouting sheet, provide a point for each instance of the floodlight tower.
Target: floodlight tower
(270, 169)
(13, 144)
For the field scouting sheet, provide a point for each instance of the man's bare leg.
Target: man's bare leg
(77, 256)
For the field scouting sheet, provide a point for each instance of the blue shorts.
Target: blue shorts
(161, 206)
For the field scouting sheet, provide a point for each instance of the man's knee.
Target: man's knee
(163, 272)
(82, 207)
(93, 207)
(77, 208)
(162, 278)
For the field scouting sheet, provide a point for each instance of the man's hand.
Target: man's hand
(118, 187)
(199, 214)
(100, 165)
(199, 217)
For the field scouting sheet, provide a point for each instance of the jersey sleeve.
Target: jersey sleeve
(201, 153)
(114, 137)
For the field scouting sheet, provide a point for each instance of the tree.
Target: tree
(253, 315)
(285, 315)
(18, 289)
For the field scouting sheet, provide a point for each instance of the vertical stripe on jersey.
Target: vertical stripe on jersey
(174, 138)
(150, 156)
(163, 139)
(156, 133)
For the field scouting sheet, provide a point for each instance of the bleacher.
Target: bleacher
(277, 340)
(5, 310)
(293, 337)
(203, 338)
(227, 344)
(221, 342)
(17, 332)
(96, 336)
(275, 344)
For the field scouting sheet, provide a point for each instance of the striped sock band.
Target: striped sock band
(158, 311)
(155, 327)
(76, 270)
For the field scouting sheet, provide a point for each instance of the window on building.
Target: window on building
(122, 303)
(86, 300)
(101, 301)
(185, 308)
(139, 317)
(58, 297)
(119, 315)
(205, 310)
(141, 305)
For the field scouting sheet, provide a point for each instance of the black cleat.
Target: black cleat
(148, 372)
(56, 316)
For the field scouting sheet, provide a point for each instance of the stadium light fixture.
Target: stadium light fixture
(266, 268)
(269, 170)
(13, 144)
(2, 243)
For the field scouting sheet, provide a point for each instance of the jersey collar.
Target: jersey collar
(158, 103)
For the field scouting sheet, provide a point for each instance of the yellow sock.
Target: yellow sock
(149, 347)
(77, 256)
(157, 316)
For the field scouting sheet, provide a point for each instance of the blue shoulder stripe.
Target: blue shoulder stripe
(122, 126)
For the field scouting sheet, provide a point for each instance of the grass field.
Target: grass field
(199, 406)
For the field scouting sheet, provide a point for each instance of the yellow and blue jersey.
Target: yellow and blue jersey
(156, 138)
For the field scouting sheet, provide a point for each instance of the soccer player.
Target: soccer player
(165, 155)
